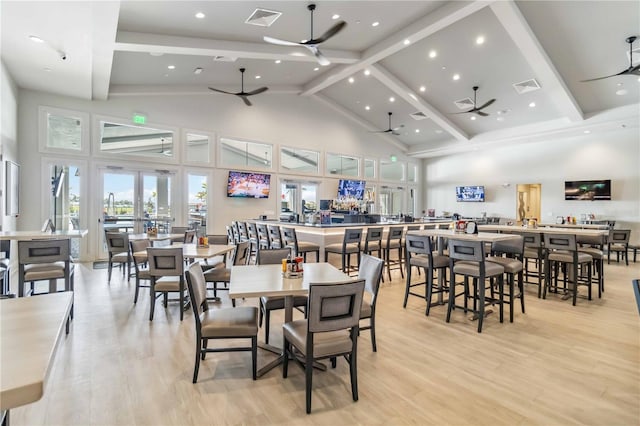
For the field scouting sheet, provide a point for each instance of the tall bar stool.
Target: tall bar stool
(252, 231)
(618, 243)
(373, 241)
(235, 231)
(275, 239)
(263, 236)
(508, 254)
(593, 245)
(419, 251)
(351, 244)
(393, 242)
(534, 252)
(561, 249)
(300, 248)
(467, 258)
(230, 236)
(242, 231)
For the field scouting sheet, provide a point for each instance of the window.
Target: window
(197, 147)
(391, 171)
(63, 131)
(369, 168)
(412, 173)
(346, 165)
(198, 201)
(299, 160)
(128, 140)
(64, 199)
(391, 200)
(252, 155)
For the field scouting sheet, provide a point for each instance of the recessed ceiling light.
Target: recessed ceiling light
(500, 118)
(422, 88)
(316, 68)
(473, 118)
(367, 107)
(156, 53)
(200, 15)
(375, 24)
(480, 40)
(36, 39)
(444, 68)
(278, 61)
(532, 105)
(619, 84)
(417, 130)
(639, 79)
(172, 67)
(352, 80)
(456, 77)
(367, 72)
(407, 42)
(438, 131)
(47, 69)
(297, 54)
(392, 99)
(586, 132)
(433, 54)
(336, 16)
(258, 77)
(621, 92)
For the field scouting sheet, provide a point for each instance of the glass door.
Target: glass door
(298, 199)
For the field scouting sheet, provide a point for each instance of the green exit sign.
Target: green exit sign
(139, 119)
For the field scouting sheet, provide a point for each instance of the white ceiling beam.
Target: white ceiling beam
(405, 92)
(158, 43)
(512, 20)
(150, 89)
(104, 16)
(440, 18)
(360, 121)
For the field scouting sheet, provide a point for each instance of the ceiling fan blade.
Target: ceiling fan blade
(635, 70)
(246, 100)
(486, 104)
(482, 114)
(623, 72)
(257, 91)
(331, 32)
(398, 128)
(280, 42)
(221, 91)
(322, 60)
(393, 132)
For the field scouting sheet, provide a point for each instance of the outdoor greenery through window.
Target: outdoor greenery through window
(198, 195)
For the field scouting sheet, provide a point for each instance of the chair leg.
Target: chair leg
(135, 296)
(181, 304)
(429, 289)
(261, 315)
(521, 289)
(406, 291)
(308, 373)
(254, 357)
(334, 361)
(372, 323)
(197, 364)
(152, 295)
(267, 320)
(205, 344)
(285, 360)
(480, 295)
(452, 295)
(109, 269)
(353, 368)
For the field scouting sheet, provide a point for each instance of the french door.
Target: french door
(132, 201)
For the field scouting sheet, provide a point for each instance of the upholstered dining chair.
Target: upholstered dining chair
(562, 249)
(45, 260)
(300, 248)
(220, 323)
(140, 263)
(118, 247)
(351, 244)
(509, 254)
(222, 274)
(371, 272)
(330, 331)
(166, 269)
(178, 230)
(619, 244)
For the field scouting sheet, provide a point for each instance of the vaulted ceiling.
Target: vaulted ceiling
(412, 58)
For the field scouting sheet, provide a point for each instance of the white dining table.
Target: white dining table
(545, 230)
(267, 280)
(193, 251)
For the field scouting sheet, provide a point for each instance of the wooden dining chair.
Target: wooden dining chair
(166, 269)
(330, 331)
(118, 248)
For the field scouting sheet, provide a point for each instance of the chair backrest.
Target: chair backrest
(242, 230)
(289, 238)
(443, 226)
(412, 228)
(636, 290)
(352, 236)
(466, 250)
(43, 251)
(179, 229)
(138, 246)
(532, 239)
(374, 234)
(236, 231)
(230, 235)
(241, 254)
(418, 244)
(395, 233)
(592, 240)
(371, 272)
(165, 261)
(218, 239)
(252, 230)
(334, 306)
(263, 232)
(272, 256)
(275, 240)
(619, 236)
(560, 242)
(430, 226)
(117, 242)
(190, 236)
(197, 286)
(512, 247)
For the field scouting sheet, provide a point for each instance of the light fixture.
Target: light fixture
(316, 68)
(417, 130)
(375, 24)
(47, 69)
(352, 80)
(413, 96)
(197, 71)
(422, 88)
(621, 92)
(532, 105)
(335, 16)
(586, 132)
(480, 40)
(258, 77)
(367, 72)
(367, 107)
(433, 54)
(500, 119)
(619, 84)
(407, 42)
(473, 118)
(304, 40)
(392, 99)
(36, 39)
(200, 15)
(278, 61)
(456, 77)
(156, 53)
(393, 158)
(172, 67)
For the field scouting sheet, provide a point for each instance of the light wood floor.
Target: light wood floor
(556, 364)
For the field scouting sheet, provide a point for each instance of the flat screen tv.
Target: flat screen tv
(587, 190)
(351, 189)
(248, 185)
(470, 193)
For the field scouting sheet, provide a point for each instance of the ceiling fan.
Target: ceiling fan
(242, 94)
(629, 71)
(393, 131)
(312, 43)
(477, 109)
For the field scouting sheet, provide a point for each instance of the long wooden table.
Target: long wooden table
(31, 328)
(545, 230)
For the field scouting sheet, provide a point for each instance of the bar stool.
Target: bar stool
(533, 251)
(235, 231)
(467, 258)
(562, 249)
(242, 231)
(290, 239)
(373, 241)
(263, 236)
(619, 243)
(252, 231)
(275, 239)
(419, 251)
(513, 249)
(593, 245)
(351, 244)
(393, 241)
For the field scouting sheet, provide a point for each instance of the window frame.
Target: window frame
(43, 127)
(219, 163)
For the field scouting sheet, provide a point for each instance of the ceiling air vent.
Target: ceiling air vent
(418, 115)
(526, 86)
(465, 103)
(263, 17)
(224, 59)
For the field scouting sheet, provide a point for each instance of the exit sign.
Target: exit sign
(139, 119)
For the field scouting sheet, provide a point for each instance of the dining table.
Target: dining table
(154, 237)
(268, 281)
(194, 251)
(545, 230)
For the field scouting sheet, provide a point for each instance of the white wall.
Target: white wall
(613, 155)
(8, 137)
(280, 119)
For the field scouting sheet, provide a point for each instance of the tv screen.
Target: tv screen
(470, 193)
(351, 189)
(248, 185)
(587, 190)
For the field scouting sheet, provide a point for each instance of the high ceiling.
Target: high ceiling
(411, 56)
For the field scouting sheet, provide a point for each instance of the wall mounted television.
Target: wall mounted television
(248, 185)
(470, 193)
(587, 190)
(351, 189)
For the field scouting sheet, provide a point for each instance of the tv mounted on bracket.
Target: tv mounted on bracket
(248, 185)
(351, 189)
(589, 190)
(470, 193)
